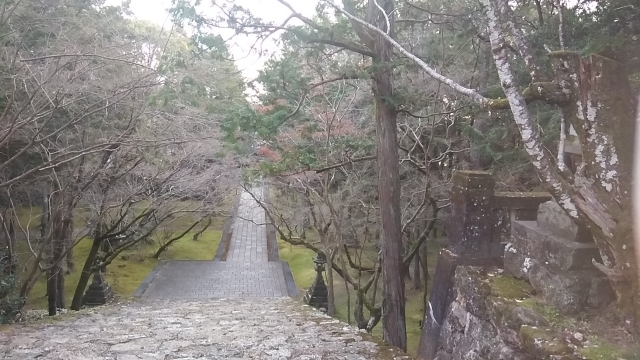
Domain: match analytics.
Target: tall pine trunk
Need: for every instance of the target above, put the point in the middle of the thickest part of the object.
(393, 304)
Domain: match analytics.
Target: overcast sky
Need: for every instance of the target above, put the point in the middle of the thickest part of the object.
(270, 10)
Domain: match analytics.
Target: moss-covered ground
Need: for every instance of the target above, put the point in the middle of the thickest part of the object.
(131, 267)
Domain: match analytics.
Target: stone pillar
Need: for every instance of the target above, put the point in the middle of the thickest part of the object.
(470, 229)
(471, 221)
(99, 292)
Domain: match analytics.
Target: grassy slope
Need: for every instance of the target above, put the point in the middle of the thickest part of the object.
(130, 268)
(300, 260)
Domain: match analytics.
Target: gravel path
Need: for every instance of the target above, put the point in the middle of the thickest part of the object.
(213, 329)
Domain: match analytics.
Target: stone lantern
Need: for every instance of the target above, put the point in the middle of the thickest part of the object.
(317, 295)
(99, 292)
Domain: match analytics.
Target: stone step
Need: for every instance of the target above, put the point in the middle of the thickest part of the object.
(536, 242)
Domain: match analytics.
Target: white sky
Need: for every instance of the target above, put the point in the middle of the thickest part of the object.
(269, 10)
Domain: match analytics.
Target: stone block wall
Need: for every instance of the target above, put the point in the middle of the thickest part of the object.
(557, 258)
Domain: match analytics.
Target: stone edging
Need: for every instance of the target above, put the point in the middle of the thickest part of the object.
(272, 242)
(227, 231)
(292, 289)
(272, 247)
(144, 285)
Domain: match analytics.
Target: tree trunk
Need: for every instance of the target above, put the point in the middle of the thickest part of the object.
(602, 113)
(174, 239)
(51, 292)
(348, 291)
(197, 235)
(358, 311)
(46, 211)
(60, 223)
(9, 233)
(393, 304)
(69, 242)
(417, 280)
(331, 301)
(381, 15)
(76, 303)
(425, 272)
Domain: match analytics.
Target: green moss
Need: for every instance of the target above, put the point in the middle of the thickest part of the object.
(300, 260)
(543, 341)
(555, 318)
(509, 287)
(187, 249)
(124, 275)
(131, 267)
(601, 350)
(29, 217)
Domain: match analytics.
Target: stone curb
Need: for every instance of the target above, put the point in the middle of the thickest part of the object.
(227, 231)
(272, 246)
(292, 289)
(144, 285)
(272, 242)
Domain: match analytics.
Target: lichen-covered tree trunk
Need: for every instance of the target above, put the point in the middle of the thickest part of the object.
(601, 109)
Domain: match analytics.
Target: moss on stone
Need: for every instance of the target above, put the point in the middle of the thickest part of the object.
(543, 341)
(555, 318)
(602, 350)
(508, 287)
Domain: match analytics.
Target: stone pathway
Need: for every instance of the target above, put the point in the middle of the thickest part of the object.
(181, 315)
(213, 329)
(246, 273)
(249, 239)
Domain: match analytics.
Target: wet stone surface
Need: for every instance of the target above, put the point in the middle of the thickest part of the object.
(214, 329)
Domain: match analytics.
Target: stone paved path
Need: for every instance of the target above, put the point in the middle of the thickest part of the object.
(249, 240)
(246, 273)
(255, 320)
(213, 329)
